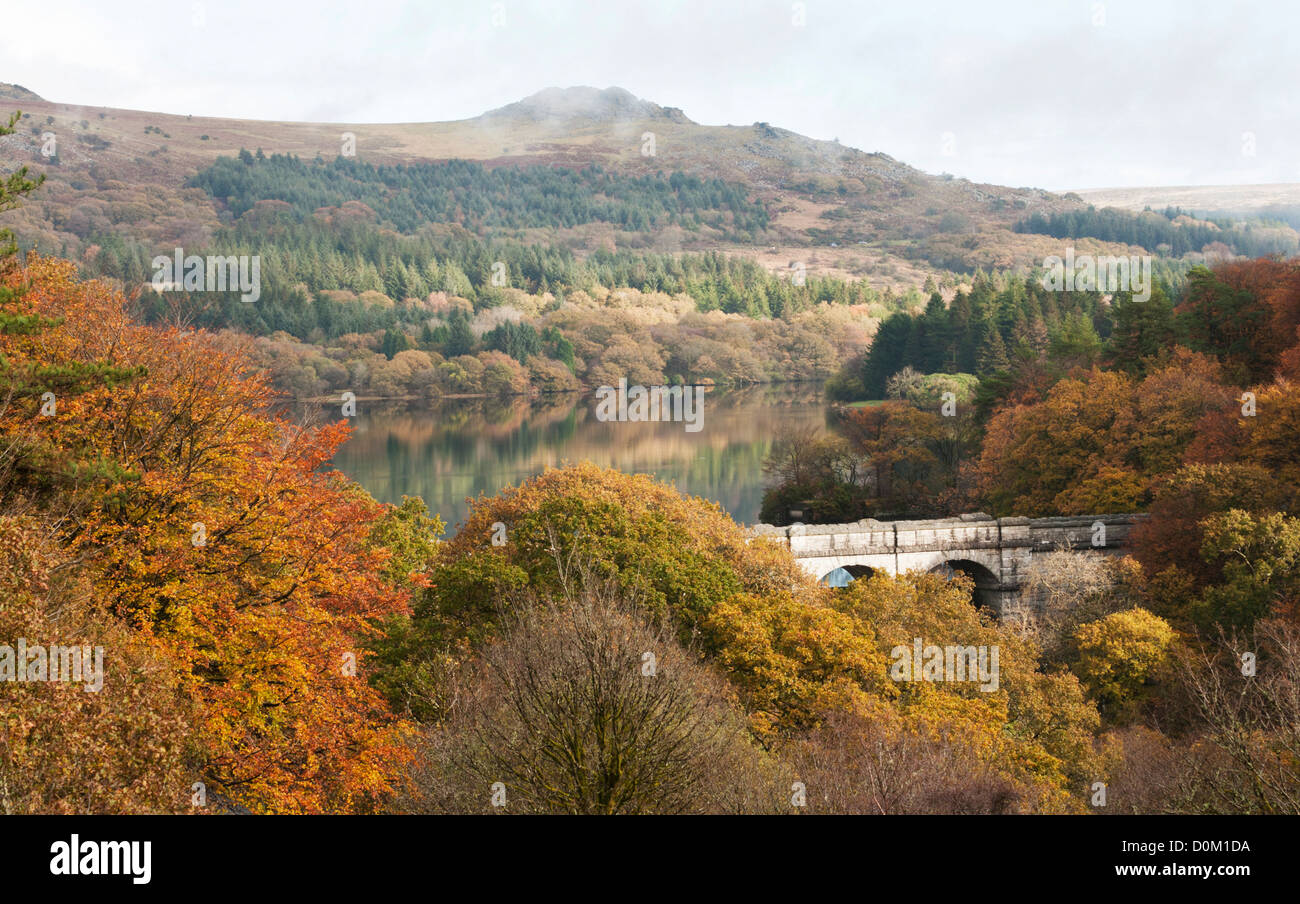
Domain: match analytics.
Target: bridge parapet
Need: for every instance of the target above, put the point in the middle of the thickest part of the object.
(864, 537)
(977, 531)
(870, 537)
(996, 552)
(1097, 531)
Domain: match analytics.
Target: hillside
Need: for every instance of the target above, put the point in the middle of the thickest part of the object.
(1211, 198)
(132, 177)
(838, 210)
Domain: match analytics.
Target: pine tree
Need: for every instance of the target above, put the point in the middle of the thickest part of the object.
(993, 354)
(962, 320)
(1076, 343)
(1141, 329)
(394, 341)
(460, 337)
(886, 355)
(937, 337)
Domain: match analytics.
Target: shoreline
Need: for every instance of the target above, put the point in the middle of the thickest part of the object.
(460, 396)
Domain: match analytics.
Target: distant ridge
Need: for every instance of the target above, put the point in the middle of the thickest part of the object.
(1210, 198)
(586, 103)
(831, 208)
(10, 91)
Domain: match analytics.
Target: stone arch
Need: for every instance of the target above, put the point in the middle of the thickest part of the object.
(846, 574)
(988, 587)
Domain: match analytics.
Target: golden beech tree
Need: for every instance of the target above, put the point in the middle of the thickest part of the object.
(1035, 727)
(1272, 435)
(795, 661)
(1171, 406)
(1102, 441)
(1037, 455)
(116, 740)
(1119, 655)
(208, 527)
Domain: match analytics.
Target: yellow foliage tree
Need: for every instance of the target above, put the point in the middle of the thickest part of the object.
(1034, 727)
(1120, 654)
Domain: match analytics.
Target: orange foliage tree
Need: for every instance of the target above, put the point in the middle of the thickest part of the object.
(207, 526)
(1101, 441)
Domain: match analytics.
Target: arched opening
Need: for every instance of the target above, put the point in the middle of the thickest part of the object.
(842, 577)
(988, 589)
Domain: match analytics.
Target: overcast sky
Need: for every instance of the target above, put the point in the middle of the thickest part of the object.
(1056, 94)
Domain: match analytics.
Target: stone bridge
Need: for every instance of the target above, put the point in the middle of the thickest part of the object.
(995, 552)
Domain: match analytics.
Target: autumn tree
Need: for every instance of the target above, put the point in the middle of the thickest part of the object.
(794, 660)
(1119, 656)
(1035, 728)
(1102, 441)
(1069, 587)
(1224, 316)
(1064, 455)
(1172, 404)
(857, 765)
(1251, 763)
(1260, 558)
(895, 439)
(586, 706)
(116, 739)
(815, 473)
(1270, 437)
(1171, 537)
(208, 527)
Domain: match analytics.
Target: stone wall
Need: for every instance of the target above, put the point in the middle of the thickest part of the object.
(997, 552)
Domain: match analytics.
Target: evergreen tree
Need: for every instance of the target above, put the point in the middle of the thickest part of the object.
(886, 355)
(1076, 343)
(936, 338)
(1141, 329)
(993, 354)
(518, 340)
(394, 341)
(961, 321)
(460, 337)
(559, 348)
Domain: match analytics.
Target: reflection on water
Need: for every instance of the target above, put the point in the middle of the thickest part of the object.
(462, 447)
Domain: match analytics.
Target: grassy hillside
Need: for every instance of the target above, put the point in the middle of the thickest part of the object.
(1198, 197)
(822, 208)
(837, 210)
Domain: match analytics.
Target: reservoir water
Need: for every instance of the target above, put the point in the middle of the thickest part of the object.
(462, 447)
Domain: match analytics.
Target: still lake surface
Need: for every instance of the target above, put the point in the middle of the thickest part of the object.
(462, 447)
